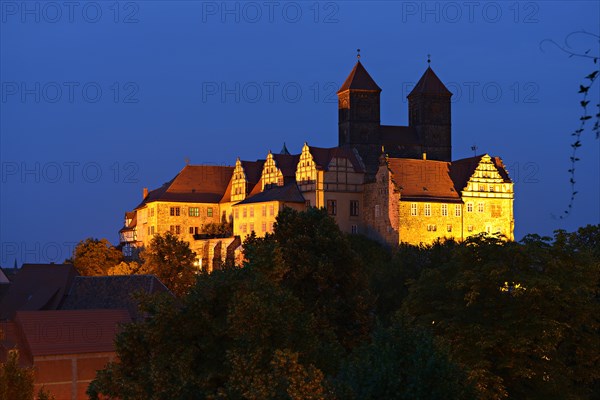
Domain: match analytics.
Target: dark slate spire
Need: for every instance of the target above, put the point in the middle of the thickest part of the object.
(359, 79)
(284, 150)
(430, 84)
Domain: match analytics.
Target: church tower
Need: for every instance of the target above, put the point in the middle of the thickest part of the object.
(429, 115)
(358, 106)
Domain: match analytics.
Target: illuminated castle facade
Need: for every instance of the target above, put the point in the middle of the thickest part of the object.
(392, 183)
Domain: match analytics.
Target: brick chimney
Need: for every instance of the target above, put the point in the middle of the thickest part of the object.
(145, 193)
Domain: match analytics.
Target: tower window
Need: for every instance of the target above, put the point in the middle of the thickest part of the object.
(413, 209)
(469, 207)
(444, 210)
(480, 207)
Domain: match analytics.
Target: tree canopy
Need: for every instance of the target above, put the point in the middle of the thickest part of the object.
(95, 257)
(317, 314)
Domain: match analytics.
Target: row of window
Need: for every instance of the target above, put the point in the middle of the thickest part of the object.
(249, 228)
(433, 228)
(192, 211)
(332, 207)
(250, 210)
(414, 209)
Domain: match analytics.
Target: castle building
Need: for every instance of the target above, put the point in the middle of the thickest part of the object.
(392, 183)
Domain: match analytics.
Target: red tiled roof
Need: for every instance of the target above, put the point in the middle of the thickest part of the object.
(70, 331)
(323, 156)
(287, 164)
(111, 292)
(423, 179)
(37, 287)
(359, 79)
(430, 84)
(227, 195)
(194, 184)
(288, 193)
(253, 170)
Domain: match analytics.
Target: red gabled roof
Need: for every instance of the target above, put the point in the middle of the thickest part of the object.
(288, 193)
(430, 84)
(70, 331)
(359, 79)
(37, 287)
(287, 164)
(423, 179)
(194, 184)
(253, 170)
(323, 156)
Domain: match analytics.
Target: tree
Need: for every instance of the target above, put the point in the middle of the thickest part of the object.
(172, 261)
(309, 255)
(93, 257)
(522, 318)
(404, 363)
(16, 383)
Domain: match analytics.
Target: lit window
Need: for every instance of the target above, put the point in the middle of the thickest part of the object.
(264, 226)
(413, 209)
(427, 210)
(469, 207)
(193, 211)
(457, 210)
(251, 211)
(177, 229)
(264, 210)
(331, 207)
(480, 207)
(354, 208)
(237, 213)
(209, 212)
(481, 188)
(251, 227)
(444, 210)
(152, 230)
(244, 212)
(271, 210)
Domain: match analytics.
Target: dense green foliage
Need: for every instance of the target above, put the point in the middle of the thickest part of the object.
(16, 382)
(172, 261)
(95, 257)
(317, 314)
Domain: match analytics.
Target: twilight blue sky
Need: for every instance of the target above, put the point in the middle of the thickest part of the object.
(100, 99)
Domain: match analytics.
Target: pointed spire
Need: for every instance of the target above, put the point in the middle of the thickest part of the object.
(284, 150)
(430, 84)
(359, 78)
